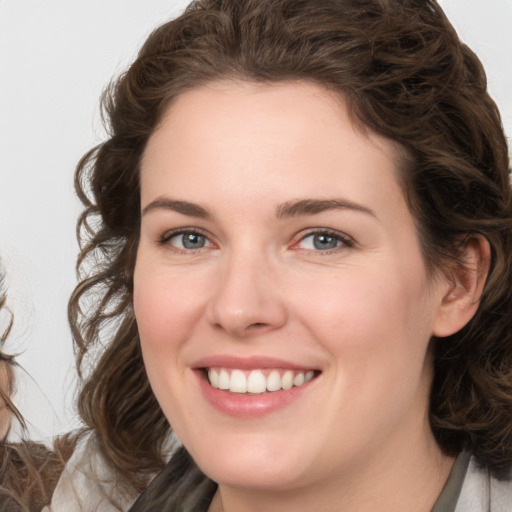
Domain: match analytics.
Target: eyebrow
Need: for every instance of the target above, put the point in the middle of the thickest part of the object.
(315, 206)
(183, 207)
(288, 209)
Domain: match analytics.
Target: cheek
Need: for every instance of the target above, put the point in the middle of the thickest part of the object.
(369, 316)
(166, 316)
(167, 306)
(375, 330)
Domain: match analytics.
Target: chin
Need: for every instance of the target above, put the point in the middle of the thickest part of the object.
(267, 476)
(257, 465)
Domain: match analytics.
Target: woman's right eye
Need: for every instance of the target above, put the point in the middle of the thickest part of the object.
(187, 240)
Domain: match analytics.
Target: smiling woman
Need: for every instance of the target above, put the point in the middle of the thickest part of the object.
(332, 295)
(301, 228)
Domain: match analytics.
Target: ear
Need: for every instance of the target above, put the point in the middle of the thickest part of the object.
(464, 286)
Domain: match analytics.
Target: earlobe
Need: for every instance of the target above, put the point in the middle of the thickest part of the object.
(464, 286)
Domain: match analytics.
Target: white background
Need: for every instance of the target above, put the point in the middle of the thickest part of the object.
(55, 58)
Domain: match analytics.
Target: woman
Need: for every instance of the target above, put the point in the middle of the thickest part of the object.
(301, 229)
(28, 471)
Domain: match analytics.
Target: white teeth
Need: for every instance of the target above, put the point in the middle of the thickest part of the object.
(287, 382)
(274, 381)
(223, 379)
(256, 383)
(214, 378)
(299, 379)
(239, 381)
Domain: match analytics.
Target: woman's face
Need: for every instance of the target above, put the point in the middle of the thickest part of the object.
(277, 253)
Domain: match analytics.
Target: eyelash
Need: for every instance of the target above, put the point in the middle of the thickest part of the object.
(346, 241)
(168, 235)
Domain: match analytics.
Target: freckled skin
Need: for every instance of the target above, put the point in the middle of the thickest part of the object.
(257, 285)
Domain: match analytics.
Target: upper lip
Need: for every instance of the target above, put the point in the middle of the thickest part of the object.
(247, 363)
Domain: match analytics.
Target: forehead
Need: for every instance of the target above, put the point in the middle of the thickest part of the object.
(241, 146)
(233, 99)
(251, 122)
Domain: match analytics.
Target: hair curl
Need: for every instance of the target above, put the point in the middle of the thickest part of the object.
(404, 74)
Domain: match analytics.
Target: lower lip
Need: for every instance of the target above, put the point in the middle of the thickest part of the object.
(245, 405)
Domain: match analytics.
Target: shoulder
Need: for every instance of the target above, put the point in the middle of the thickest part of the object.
(481, 492)
(87, 483)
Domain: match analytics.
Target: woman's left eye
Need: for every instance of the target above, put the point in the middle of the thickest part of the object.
(188, 240)
(323, 241)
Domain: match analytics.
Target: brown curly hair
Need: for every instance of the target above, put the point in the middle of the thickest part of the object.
(405, 74)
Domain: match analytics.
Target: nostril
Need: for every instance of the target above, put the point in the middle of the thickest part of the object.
(257, 325)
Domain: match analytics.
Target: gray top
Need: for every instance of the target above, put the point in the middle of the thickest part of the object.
(470, 488)
(481, 492)
(449, 496)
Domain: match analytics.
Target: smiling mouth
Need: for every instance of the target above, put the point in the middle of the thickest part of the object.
(257, 381)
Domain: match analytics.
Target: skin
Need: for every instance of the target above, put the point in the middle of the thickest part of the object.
(361, 313)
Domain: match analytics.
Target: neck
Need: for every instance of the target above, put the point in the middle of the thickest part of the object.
(401, 478)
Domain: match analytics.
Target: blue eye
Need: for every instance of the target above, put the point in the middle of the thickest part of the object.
(323, 242)
(189, 240)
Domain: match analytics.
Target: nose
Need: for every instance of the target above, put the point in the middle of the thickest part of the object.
(247, 300)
